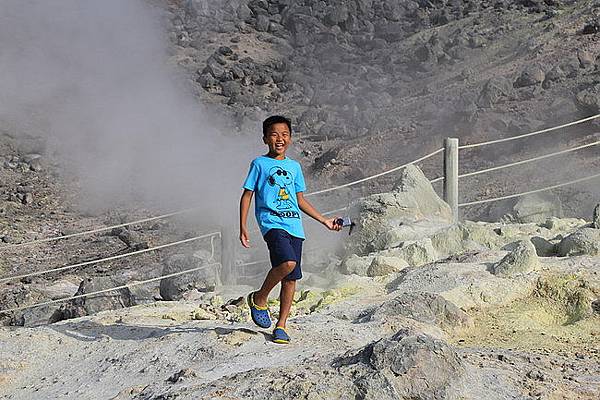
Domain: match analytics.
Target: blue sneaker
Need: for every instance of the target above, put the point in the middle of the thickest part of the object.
(260, 315)
(280, 336)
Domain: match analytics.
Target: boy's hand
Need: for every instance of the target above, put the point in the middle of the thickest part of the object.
(331, 225)
(244, 238)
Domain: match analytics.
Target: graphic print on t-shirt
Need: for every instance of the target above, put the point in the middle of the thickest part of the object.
(279, 178)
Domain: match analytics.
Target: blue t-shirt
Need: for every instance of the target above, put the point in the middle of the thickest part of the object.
(275, 184)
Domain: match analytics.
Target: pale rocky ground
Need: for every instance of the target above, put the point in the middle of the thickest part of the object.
(466, 311)
(412, 307)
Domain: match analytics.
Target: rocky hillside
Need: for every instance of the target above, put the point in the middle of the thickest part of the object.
(372, 84)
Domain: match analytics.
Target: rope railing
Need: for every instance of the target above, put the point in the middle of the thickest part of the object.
(554, 128)
(91, 262)
(103, 229)
(112, 289)
(530, 191)
(528, 160)
(97, 230)
(368, 178)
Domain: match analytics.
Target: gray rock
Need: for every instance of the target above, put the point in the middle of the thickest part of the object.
(417, 253)
(596, 217)
(132, 239)
(585, 58)
(589, 98)
(412, 199)
(382, 266)
(93, 304)
(203, 280)
(231, 89)
(531, 76)
(522, 259)
(425, 307)
(406, 366)
(537, 208)
(262, 23)
(356, 265)
(496, 90)
(584, 241)
(543, 247)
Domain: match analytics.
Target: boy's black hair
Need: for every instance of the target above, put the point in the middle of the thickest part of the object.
(276, 119)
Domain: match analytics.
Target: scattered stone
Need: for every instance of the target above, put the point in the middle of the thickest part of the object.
(425, 307)
(184, 373)
(531, 76)
(591, 28)
(355, 264)
(596, 217)
(586, 58)
(496, 90)
(203, 280)
(537, 208)
(112, 300)
(132, 239)
(584, 241)
(406, 366)
(412, 199)
(543, 247)
(522, 259)
(201, 314)
(589, 98)
(382, 266)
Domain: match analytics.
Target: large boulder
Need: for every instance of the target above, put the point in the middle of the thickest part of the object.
(589, 99)
(95, 303)
(385, 220)
(496, 90)
(584, 241)
(531, 75)
(523, 258)
(405, 366)
(425, 307)
(382, 266)
(203, 280)
(535, 208)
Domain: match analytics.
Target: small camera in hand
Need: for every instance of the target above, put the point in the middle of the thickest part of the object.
(344, 222)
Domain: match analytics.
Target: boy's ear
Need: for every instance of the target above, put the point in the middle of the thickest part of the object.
(265, 140)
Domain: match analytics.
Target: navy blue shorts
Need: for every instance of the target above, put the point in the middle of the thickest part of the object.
(285, 247)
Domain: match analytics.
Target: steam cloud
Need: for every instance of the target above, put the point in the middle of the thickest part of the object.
(93, 79)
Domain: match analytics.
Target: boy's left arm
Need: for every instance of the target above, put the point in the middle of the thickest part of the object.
(308, 209)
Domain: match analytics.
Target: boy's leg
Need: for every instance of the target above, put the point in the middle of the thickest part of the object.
(286, 297)
(274, 276)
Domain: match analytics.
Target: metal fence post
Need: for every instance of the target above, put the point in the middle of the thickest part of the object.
(451, 175)
(227, 248)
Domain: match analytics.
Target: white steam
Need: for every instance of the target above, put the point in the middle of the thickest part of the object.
(93, 79)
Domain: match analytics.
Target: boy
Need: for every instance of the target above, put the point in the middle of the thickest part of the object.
(279, 186)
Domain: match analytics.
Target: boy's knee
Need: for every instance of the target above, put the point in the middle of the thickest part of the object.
(288, 266)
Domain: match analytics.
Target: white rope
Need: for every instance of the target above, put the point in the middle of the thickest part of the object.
(252, 263)
(529, 192)
(187, 271)
(441, 178)
(374, 176)
(108, 258)
(469, 146)
(529, 160)
(12, 246)
(107, 228)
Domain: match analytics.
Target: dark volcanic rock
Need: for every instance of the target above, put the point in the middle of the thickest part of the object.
(425, 307)
(405, 366)
(204, 279)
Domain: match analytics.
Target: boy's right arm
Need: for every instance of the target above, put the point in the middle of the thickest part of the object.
(244, 207)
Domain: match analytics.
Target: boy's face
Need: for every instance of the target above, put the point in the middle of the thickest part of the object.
(278, 139)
